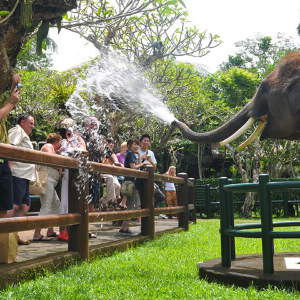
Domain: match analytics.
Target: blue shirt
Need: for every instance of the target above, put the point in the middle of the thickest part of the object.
(131, 158)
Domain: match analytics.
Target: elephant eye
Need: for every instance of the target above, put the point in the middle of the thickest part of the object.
(263, 89)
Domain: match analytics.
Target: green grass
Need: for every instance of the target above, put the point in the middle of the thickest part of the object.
(165, 268)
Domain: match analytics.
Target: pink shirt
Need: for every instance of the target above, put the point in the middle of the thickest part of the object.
(121, 157)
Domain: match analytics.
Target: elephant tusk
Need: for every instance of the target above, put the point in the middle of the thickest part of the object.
(239, 132)
(253, 135)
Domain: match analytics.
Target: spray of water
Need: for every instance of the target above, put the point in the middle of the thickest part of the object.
(122, 85)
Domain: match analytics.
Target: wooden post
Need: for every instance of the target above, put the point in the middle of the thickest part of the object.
(208, 201)
(231, 221)
(147, 201)
(192, 199)
(266, 225)
(182, 200)
(224, 224)
(78, 203)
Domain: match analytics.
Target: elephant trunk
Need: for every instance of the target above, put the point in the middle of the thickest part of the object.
(219, 134)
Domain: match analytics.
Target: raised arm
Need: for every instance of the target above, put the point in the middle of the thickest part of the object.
(14, 98)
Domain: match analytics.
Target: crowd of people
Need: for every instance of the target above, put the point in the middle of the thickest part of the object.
(16, 176)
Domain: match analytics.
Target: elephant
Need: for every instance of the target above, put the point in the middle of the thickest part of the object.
(275, 105)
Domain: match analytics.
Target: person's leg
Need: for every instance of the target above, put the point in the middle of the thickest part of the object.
(10, 213)
(138, 206)
(169, 202)
(123, 202)
(26, 202)
(125, 225)
(46, 200)
(130, 206)
(19, 191)
(36, 234)
(6, 188)
(94, 188)
(22, 211)
(54, 208)
(174, 199)
(63, 208)
(110, 189)
(22, 202)
(117, 187)
(45, 208)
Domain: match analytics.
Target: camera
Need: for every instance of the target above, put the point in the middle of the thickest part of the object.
(19, 86)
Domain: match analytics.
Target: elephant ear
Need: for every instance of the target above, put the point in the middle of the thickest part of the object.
(294, 96)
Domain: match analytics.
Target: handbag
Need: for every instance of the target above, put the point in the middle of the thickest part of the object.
(127, 188)
(8, 247)
(107, 161)
(38, 187)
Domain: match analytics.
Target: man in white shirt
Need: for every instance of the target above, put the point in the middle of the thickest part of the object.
(22, 172)
(147, 154)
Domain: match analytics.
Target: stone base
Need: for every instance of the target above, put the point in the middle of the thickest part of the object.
(247, 270)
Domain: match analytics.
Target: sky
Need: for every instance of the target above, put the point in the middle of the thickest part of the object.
(232, 20)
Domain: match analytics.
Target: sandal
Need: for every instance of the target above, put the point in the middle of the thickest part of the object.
(22, 242)
(92, 235)
(54, 234)
(42, 238)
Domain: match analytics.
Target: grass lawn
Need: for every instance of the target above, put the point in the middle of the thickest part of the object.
(165, 268)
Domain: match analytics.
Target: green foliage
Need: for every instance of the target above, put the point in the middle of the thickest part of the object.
(4, 13)
(278, 208)
(42, 33)
(43, 96)
(280, 158)
(238, 86)
(234, 61)
(28, 59)
(263, 53)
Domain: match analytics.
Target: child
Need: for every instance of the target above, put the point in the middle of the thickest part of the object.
(134, 163)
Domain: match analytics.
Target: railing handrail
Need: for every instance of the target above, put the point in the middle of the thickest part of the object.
(38, 157)
(78, 207)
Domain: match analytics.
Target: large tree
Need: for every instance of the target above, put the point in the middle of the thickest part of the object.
(153, 40)
(261, 54)
(20, 15)
(21, 19)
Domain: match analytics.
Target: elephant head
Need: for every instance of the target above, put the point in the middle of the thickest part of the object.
(275, 105)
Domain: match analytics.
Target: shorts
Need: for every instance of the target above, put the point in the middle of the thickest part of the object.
(21, 191)
(6, 187)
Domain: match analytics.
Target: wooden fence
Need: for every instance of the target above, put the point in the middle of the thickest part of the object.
(78, 218)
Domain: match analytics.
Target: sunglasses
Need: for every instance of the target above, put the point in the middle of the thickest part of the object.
(69, 134)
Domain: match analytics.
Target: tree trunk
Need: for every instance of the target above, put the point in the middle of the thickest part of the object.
(248, 203)
(200, 169)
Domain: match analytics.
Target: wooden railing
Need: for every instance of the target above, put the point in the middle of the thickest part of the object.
(78, 218)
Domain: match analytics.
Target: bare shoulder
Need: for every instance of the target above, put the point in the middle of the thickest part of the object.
(48, 148)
